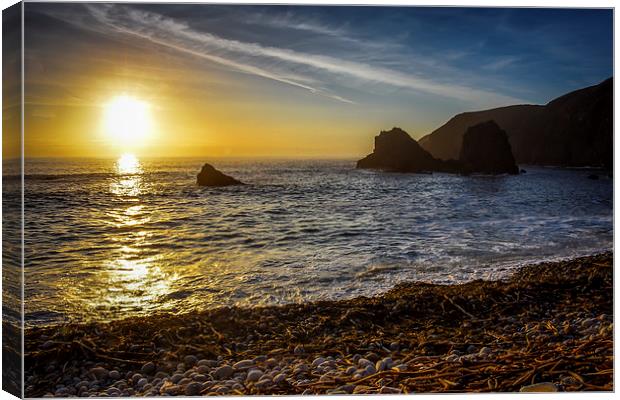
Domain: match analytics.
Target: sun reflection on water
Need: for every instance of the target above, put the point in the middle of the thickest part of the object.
(128, 279)
(128, 164)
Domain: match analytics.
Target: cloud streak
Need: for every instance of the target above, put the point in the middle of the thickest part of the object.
(308, 71)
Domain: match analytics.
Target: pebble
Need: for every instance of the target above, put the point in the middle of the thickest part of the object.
(208, 363)
(363, 362)
(298, 350)
(254, 375)
(190, 360)
(400, 367)
(318, 361)
(243, 364)
(148, 368)
(193, 389)
(114, 375)
(99, 373)
(176, 378)
(485, 351)
(279, 378)
(223, 372)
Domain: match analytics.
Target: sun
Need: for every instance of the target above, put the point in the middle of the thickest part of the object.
(127, 121)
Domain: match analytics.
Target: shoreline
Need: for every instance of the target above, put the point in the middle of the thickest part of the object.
(548, 323)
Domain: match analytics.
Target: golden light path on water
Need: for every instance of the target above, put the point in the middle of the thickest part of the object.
(129, 279)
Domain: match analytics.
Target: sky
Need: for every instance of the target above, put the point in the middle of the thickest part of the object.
(290, 81)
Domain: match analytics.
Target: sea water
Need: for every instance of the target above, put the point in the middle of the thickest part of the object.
(110, 239)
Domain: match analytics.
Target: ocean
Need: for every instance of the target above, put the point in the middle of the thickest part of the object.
(110, 239)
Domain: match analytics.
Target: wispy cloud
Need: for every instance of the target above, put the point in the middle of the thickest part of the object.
(289, 21)
(308, 71)
(501, 63)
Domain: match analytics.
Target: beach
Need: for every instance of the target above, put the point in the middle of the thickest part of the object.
(547, 327)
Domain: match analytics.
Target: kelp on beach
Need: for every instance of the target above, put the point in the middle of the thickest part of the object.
(550, 323)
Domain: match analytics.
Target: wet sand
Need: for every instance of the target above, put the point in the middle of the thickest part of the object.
(547, 327)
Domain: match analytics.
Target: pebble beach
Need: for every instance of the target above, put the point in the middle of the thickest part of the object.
(548, 327)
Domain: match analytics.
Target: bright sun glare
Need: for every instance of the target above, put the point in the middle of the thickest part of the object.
(127, 121)
(128, 164)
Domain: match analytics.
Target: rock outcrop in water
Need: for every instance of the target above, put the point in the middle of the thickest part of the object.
(209, 176)
(396, 151)
(573, 130)
(485, 149)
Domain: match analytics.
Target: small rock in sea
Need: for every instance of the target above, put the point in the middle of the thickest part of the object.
(258, 359)
(193, 389)
(394, 346)
(472, 349)
(254, 375)
(271, 362)
(199, 378)
(351, 370)
(148, 368)
(243, 364)
(98, 373)
(142, 382)
(370, 369)
(373, 357)
(114, 375)
(540, 387)
(176, 378)
(298, 350)
(223, 372)
(190, 360)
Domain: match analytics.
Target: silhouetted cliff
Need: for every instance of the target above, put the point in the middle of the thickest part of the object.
(486, 150)
(573, 130)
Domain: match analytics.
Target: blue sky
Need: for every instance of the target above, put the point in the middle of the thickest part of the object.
(407, 66)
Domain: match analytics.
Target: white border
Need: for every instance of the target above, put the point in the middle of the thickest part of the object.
(455, 3)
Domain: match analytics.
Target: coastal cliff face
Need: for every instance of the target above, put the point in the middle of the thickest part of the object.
(573, 130)
(486, 149)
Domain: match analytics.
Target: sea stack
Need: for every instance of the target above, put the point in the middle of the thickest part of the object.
(396, 151)
(486, 149)
(209, 176)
